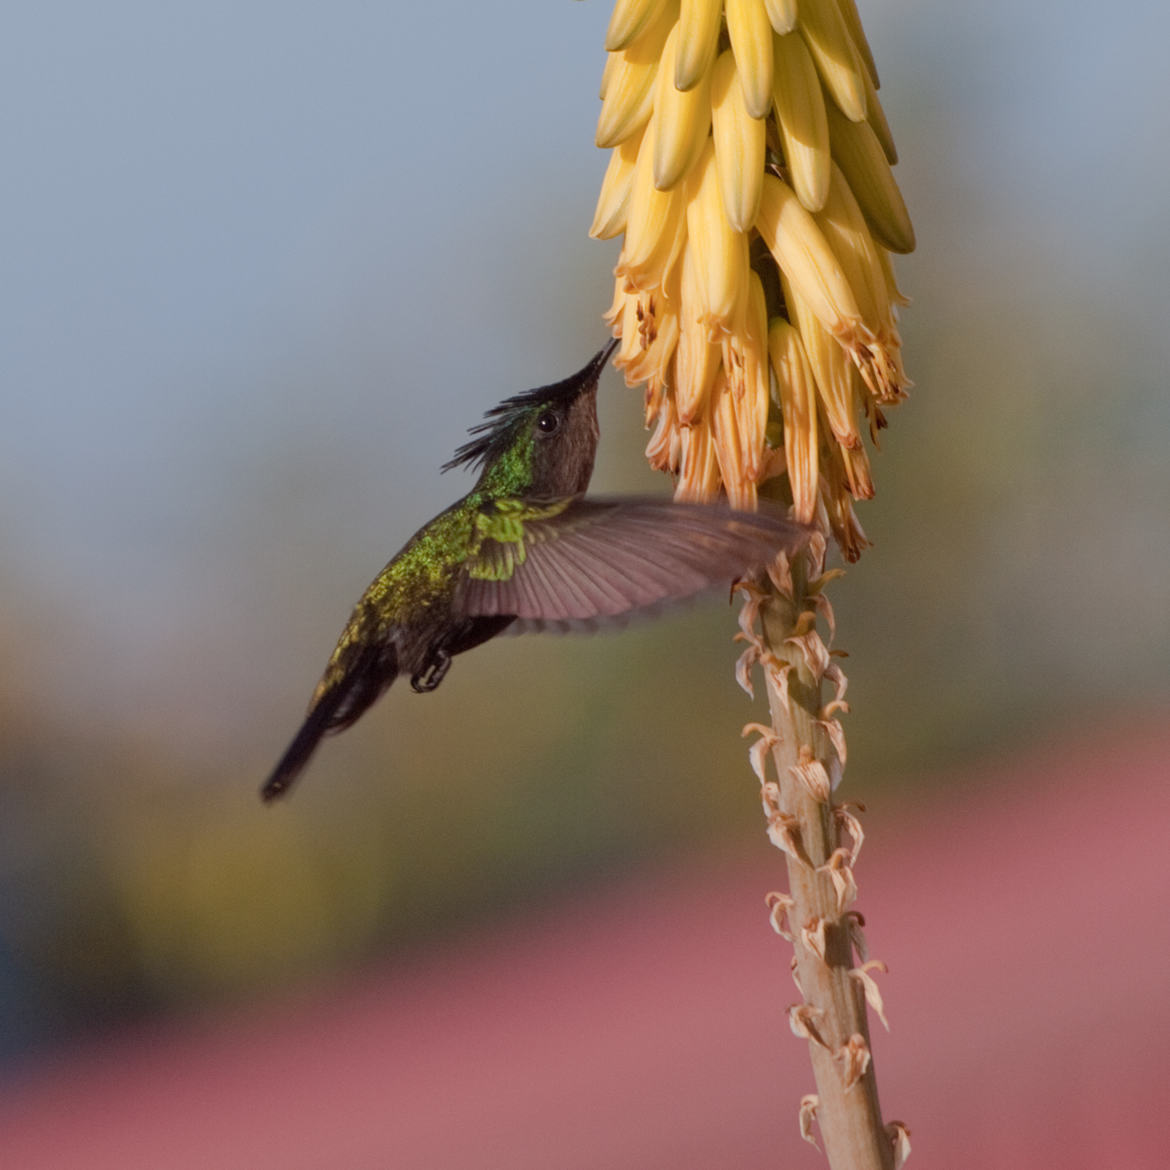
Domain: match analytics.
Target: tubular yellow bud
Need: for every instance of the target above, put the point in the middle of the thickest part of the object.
(699, 23)
(796, 390)
(612, 60)
(683, 119)
(739, 145)
(897, 296)
(655, 226)
(737, 480)
(857, 472)
(844, 226)
(800, 113)
(876, 117)
(836, 377)
(698, 464)
(852, 20)
(657, 324)
(859, 154)
(625, 311)
(720, 253)
(696, 356)
(655, 397)
(613, 314)
(782, 14)
(628, 100)
(839, 507)
(836, 57)
(628, 80)
(629, 18)
(750, 33)
(613, 201)
(745, 364)
(664, 450)
(807, 261)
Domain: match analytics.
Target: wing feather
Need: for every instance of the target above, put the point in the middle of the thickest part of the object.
(602, 559)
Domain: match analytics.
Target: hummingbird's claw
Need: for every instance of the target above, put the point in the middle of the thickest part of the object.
(433, 673)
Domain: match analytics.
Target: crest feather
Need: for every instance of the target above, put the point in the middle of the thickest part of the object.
(494, 435)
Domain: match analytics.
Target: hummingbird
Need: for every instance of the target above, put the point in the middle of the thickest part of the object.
(526, 549)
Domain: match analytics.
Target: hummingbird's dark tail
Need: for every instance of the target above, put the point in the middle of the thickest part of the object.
(335, 710)
(304, 744)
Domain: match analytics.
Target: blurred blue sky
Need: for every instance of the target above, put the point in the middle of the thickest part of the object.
(264, 262)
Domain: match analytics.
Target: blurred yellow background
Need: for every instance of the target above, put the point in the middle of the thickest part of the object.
(265, 264)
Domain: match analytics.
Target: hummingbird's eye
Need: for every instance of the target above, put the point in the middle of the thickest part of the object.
(549, 422)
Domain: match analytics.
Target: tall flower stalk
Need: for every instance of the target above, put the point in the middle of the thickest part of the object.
(750, 180)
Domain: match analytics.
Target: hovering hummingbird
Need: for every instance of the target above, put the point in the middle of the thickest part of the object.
(524, 549)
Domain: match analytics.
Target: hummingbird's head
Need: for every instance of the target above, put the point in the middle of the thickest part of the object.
(540, 443)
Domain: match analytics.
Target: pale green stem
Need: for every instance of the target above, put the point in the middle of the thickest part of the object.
(848, 1115)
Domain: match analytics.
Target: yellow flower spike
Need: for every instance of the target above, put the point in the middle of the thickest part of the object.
(628, 89)
(739, 145)
(699, 24)
(750, 33)
(852, 20)
(796, 390)
(808, 263)
(719, 252)
(689, 309)
(696, 357)
(835, 55)
(698, 465)
(683, 119)
(836, 376)
(859, 154)
(733, 470)
(800, 114)
(629, 18)
(656, 225)
(876, 117)
(613, 201)
(782, 14)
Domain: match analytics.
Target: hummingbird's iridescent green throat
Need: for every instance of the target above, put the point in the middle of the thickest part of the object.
(524, 549)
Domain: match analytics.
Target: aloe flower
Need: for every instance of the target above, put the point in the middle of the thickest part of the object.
(750, 175)
(750, 179)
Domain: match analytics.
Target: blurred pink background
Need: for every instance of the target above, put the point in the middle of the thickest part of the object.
(1020, 910)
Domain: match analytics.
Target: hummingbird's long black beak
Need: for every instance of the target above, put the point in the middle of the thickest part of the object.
(594, 368)
(574, 384)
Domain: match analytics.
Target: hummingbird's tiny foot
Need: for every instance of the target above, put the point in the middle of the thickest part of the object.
(433, 674)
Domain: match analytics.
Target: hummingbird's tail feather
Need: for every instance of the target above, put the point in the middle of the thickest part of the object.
(338, 707)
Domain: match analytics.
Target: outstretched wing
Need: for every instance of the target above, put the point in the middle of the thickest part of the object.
(576, 560)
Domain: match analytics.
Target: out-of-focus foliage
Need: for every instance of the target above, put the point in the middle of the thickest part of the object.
(242, 355)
